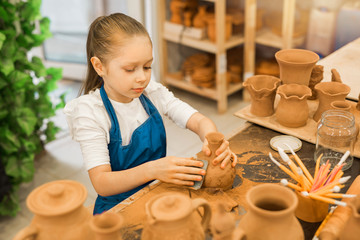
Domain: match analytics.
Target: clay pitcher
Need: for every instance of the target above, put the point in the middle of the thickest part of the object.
(59, 212)
(328, 92)
(262, 89)
(106, 226)
(174, 216)
(217, 177)
(270, 214)
(293, 110)
(296, 65)
(351, 230)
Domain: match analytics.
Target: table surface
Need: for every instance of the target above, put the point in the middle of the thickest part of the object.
(346, 61)
(252, 147)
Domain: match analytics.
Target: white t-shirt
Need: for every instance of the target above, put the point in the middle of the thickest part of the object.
(89, 122)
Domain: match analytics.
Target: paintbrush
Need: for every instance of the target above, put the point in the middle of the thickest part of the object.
(317, 233)
(282, 167)
(286, 183)
(323, 199)
(288, 161)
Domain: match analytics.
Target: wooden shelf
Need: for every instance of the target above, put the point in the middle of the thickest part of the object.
(177, 80)
(268, 38)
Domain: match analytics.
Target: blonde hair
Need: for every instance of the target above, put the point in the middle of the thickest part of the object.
(105, 35)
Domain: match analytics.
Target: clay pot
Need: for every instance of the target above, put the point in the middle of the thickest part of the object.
(216, 177)
(310, 210)
(262, 89)
(106, 226)
(328, 92)
(200, 18)
(174, 215)
(293, 110)
(59, 212)
(351, 230)
(296, 65)
(340, 105)
(176, 8)
(270, 214)
(211, 27)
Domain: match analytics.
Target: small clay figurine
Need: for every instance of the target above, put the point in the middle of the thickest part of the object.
(317, 75)
(335, 76)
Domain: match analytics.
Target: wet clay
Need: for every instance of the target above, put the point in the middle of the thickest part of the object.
(216, 177)
(173, 215)
(327, 93)
(317, 74)
(262, 89)
(293, 110)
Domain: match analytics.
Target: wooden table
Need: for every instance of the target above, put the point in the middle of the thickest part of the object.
(251, 144)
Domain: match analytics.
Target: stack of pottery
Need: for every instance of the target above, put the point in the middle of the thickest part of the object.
(216, 177)
(267, 67)
(235, 71)
(270, 214)
(262, 89)
(195, 61)
(203, 77)
(211, 27)
(173, 215)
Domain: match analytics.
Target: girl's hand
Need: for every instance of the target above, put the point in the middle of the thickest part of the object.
(180, 171)
(223, 154)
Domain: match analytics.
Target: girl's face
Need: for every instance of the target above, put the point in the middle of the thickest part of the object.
(128, 73)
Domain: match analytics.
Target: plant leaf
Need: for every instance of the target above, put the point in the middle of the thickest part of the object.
(2, 37)
(19, 79)
(9, 205)
(6, 66)
(26, 120)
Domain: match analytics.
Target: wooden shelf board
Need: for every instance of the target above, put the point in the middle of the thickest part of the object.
(176, 80)
(268, 38)
(206, 44)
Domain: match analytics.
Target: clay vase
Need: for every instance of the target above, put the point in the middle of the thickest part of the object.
(59, 212)
(328, 92)
(173, 215)
(296, 65)
(216, 177)
(262, 89)
(293, 110)
(106, 226)
(199, 20)
(351, 230)
(270, 214)
(310, 210)
(176, 8)
(211, 27)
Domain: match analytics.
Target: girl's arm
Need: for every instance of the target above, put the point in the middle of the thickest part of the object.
(202, 125)
(180, 171)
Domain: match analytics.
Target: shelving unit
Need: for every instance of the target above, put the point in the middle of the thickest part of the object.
(265, 36)
(221, 90)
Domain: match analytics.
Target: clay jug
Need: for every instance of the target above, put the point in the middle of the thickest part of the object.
(351, 230)
(200, 18)
(310, 210)
(106, 226)
(216, 177)
(296, 65)
(174, 216)
(262, 89)
(293, 110)
(59, 212)
(270, 214)
(328, 92)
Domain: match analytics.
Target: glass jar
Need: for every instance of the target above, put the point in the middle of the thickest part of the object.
(336, 134)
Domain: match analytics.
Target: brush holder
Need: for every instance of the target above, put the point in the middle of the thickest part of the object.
(310, 210)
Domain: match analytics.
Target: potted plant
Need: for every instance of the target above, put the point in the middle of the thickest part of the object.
(25, 104)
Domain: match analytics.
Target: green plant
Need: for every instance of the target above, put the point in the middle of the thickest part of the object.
(25, 104)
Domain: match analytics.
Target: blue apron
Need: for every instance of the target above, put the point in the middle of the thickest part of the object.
(148, 142)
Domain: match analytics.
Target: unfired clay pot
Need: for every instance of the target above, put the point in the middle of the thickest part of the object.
(200, 18)
(340, 105)
(351, 230)
(328, 92)
(106, 226)
(270, 214)
(310, 210)
(217, 177)
(296, 65)
(293, 110)
(174, 215)
(59, 212)
(211, 27)
(262, 89)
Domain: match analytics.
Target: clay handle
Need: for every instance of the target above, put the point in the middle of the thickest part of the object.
(238, 234)
(200, 202)
(30, 232)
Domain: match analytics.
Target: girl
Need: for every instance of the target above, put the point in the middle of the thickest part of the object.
(118, 122)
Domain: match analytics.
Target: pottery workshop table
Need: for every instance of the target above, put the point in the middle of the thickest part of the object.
(251, 144)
